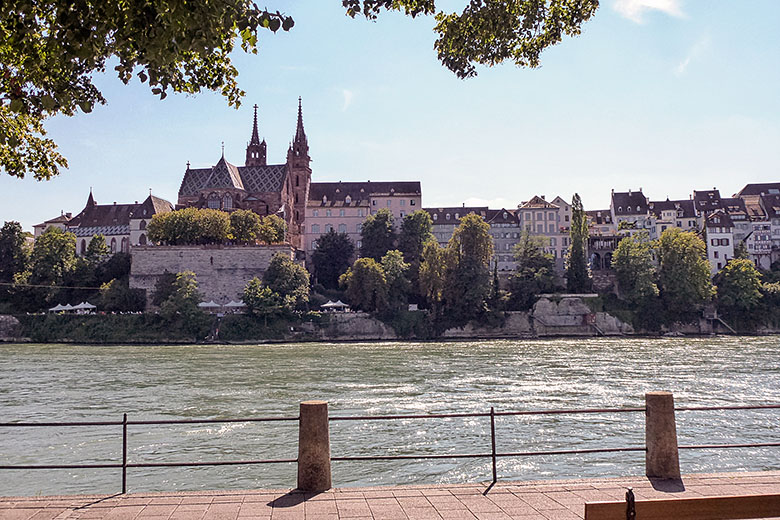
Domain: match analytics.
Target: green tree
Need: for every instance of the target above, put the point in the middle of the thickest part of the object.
(53, 256)
(189, 226)
(97, 250)
(213, 226)
(273, 230)
(635, 269)
(433, 274)
(415, 232)
(377, 235)
(488, 32)
(396, 276)
(366, 285)
(51, 49)
(14, 253)
(468, 271)
(163, 288)
(332, 258)
(739, 289)
(245, 226)
(684, 272)
(577, 276)
(116, 296)
(740, 250)
(183, 300)
(289, 280)
(262, 301)
(534, 273)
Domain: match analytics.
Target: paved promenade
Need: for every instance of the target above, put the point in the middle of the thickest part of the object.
(559, 500)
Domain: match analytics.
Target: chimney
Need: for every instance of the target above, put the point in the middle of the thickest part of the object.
(640, 189)
(114, 203)
(464, 204)
(136, 202)
(543, 197)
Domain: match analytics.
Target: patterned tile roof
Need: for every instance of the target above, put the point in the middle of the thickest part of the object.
(252, 179)
(100, 230)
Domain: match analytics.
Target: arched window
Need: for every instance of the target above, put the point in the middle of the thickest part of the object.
(227, 201)
(213, 202)
(124, 245)
(142, 240)
(113, 245)
(142, 225)
(83, 246)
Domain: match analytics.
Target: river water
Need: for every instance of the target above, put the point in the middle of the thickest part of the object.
(71, 382)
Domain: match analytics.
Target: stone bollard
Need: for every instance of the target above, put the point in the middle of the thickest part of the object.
(314, 447)
(661, 459)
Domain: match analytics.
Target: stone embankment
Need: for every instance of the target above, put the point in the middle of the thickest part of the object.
(10, 329)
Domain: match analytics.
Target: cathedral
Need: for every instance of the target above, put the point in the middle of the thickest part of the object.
(266, 189)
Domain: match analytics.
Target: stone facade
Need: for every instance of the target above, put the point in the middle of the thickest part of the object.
(222, 271)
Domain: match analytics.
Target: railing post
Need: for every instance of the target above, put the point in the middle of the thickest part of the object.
(314, 447)
(124, 454)
(661, 458)
(493, 441)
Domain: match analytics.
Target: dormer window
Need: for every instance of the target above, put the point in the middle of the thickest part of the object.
(448, 216)
(505, 214)
(348, 199)
(620, 208)
(324, 199)
(457, 215)
(435, 216)
(637, 209)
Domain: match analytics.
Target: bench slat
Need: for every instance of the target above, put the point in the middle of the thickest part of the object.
(698, 508)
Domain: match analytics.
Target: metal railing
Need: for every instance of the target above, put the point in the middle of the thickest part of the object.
(493, 454)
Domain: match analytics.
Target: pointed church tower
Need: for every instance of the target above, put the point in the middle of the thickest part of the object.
(255, 150)
(299, 170)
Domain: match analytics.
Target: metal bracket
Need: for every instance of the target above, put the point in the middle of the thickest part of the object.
(630, 505)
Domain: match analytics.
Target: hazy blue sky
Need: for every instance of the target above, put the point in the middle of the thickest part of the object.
(667, 95)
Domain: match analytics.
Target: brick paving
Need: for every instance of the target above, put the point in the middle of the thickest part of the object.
(542, 500)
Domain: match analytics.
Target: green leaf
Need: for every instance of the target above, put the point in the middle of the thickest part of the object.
(16, 105)
(86, 107)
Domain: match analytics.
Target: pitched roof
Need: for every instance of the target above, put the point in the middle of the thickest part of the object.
(440, 215)
(629, 203)
(707, 200)
(683, 207)
(152, 206)
(769, 188)
(252, 179)
(719, 218)
(60, 219)
(95, 215)
(336, 193)
(538, 202)
(771, 204)
(501, 216)
(753, 207)
(599, 217)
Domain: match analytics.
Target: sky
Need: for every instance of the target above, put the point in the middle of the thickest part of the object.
(664, 95)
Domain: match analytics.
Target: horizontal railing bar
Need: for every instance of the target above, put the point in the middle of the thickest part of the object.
(484, 455)
(718, 446)
(208, 463)
(573, 411)
(413, 416)
(570, 452)
(85, 423)
(736, 407)
(210, 421)
(63, 466)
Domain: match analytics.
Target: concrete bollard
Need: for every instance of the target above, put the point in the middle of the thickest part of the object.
(661, 459)
(314, 447)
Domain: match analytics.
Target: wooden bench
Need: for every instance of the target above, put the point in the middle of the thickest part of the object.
(698, 508)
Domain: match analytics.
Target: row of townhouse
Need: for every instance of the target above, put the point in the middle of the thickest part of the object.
(751, 216)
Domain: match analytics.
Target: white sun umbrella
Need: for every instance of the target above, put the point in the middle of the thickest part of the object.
(87, 305)
(328, 305)
(67, 307)
(340, 303)
(209, 305)
(233, 304)
(57, 308)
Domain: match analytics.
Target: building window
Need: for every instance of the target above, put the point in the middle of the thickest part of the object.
(227, 201)
(550, 216)
(315, 213)
(213, 202)
(342, 228)
(402, 203)
(389, 203)
(540, 228)
(142, 225)
(402, 214)
(435, 216)
(125, 249)
(83, 246)
(142, 240)
(373, 203)
(412, 202)
(341, 213)
(358, 228)
(348, 199)
(448, 216)
(328, 228)
(113, 246)
(715, 254)
(328, 213)
(360, 212)
(359, 244)
(315, 228)
(297, 180)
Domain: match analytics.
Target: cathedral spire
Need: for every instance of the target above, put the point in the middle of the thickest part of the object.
(300, 134)
(255, 137)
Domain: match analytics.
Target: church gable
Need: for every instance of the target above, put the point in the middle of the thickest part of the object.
(224, 175)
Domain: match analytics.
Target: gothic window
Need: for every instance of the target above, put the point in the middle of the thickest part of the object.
(142, 240)
(213, 201)
(342, 228)
(83, 246)
(315, 228)
(142, 225)
(124, 245)
(113, 245)
(227, 201)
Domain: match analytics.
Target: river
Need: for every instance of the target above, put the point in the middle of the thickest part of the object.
(72, 382)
